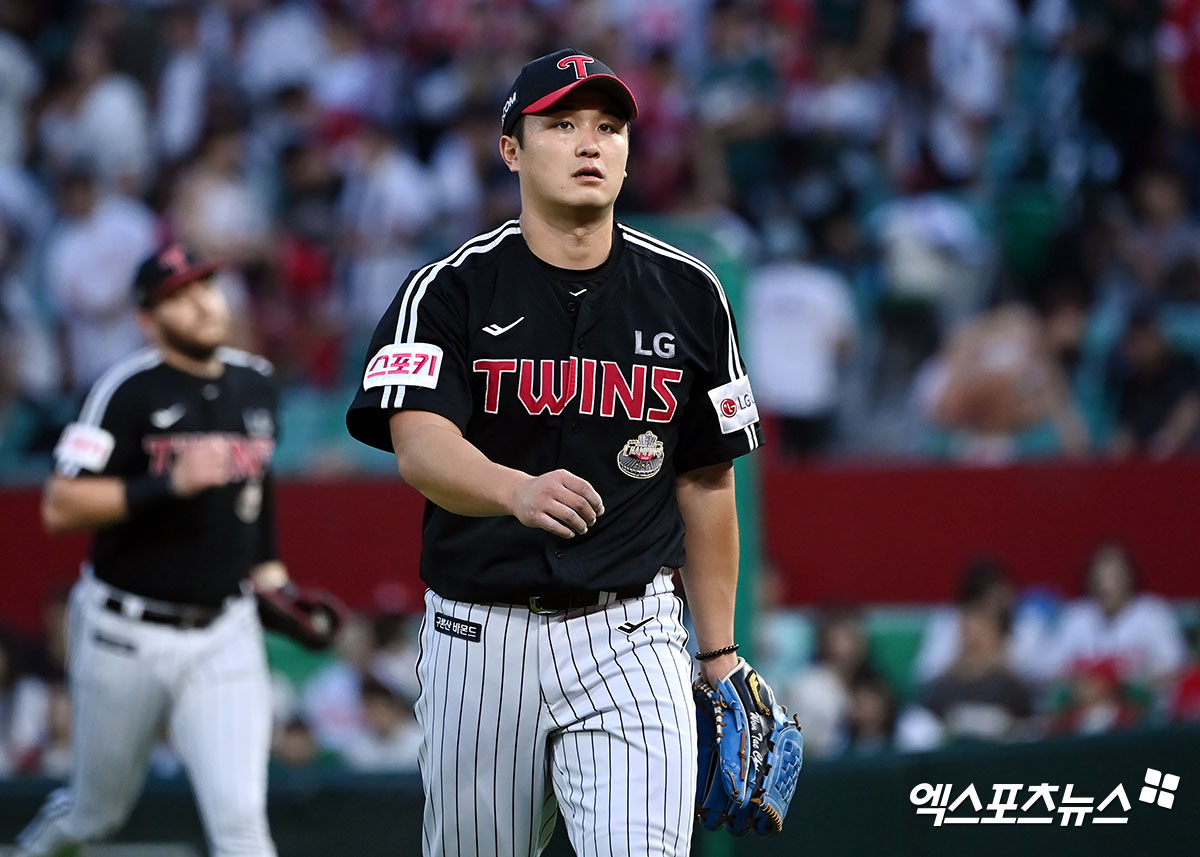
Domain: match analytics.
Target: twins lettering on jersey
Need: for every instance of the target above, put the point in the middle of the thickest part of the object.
(248, 456)
(600, 385)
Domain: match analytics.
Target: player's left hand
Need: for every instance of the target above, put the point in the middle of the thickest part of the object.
(750, 754)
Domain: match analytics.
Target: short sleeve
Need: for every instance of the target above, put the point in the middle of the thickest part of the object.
(721, 420)
(416, 360)
(100, 441)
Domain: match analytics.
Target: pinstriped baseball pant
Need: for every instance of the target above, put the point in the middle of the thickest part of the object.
(587, 711)
(128, 679)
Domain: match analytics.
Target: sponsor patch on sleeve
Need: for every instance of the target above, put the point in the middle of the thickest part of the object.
(84, 446)
(734, 404)
(404, 364)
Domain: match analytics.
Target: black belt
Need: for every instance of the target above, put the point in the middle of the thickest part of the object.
(182, 616)
(566, 599)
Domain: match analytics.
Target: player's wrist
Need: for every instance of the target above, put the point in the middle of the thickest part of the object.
(147, 491)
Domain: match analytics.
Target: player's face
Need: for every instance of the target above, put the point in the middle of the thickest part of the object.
(573, 158)
(194, 320)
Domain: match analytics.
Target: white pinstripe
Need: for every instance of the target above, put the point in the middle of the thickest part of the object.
(736, 367)
(558, 710)
(210, 687)
(419, 284)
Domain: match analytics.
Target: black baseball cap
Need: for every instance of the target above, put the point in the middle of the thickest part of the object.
(170, 268)
(543, 82)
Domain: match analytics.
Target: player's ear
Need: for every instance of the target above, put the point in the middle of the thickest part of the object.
(510, 151)
(146, 322)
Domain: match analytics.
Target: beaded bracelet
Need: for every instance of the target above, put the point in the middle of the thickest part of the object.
(716, 653)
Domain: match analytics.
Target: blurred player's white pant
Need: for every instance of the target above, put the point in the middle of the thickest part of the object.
(590, 710)
(128, 679)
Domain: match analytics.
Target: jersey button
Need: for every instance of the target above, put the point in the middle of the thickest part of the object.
(580, 342)
(572, 306)
(558, 553)
(576, 428)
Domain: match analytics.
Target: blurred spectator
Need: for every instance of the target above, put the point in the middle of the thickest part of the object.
(871, 719)
(387, 202)
(351, 81)
(331, 701)
(985, 583)
(1156, 389)
(294, 747)
(968, 46)
(1140, 632)
(100, 117)
(20, 80)
(980, 697)
(90, 262)
(219, 211)
(1096, 702)
(1115, 42)
(281, 45)
(183, 85)
(1162, 233)
(737, 96)
(822, 694)
(390, 738)
(397, 647)
(800, 325)
(996, 380)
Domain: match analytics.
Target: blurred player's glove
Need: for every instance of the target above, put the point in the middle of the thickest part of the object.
(750, 754)
(311, 617)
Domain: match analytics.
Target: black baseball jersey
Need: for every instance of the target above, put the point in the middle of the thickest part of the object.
(626, 375)
(135, 420)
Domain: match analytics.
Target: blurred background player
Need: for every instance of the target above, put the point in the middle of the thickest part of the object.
(168, 465)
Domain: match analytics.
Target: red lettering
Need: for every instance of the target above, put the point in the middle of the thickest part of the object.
(494, 369)
(546, 398)
(660, 377)
(587, 396)
(158, 447)
(613, 385)
(376, 369)
(400, 363)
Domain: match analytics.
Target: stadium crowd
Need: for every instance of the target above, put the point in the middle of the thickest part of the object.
(969, 229)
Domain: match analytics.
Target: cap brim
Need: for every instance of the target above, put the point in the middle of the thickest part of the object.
(612, 85)
(178, 280)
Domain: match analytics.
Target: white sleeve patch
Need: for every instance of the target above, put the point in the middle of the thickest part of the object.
(86, 447)
(734, 404)
(404, 364)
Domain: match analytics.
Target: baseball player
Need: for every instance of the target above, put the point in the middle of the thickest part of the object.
(167, 464)
(568, 394)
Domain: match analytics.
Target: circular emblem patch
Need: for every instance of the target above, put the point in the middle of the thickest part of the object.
(728, 407)
(641, 457)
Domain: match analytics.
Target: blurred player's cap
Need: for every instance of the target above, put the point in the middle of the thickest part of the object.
(543, 82)
(170, 268)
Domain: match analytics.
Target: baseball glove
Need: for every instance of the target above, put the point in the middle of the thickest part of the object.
(311, 617)
(750, 754)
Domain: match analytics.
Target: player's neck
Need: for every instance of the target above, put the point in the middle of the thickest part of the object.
(574, 246)
(212, 367)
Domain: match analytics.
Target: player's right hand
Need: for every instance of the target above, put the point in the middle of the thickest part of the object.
(558, 502)
(201, 465)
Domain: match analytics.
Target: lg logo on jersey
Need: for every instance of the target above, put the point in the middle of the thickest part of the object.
(664, 345)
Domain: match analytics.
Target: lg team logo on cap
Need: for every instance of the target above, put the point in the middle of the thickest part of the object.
(579, 61)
